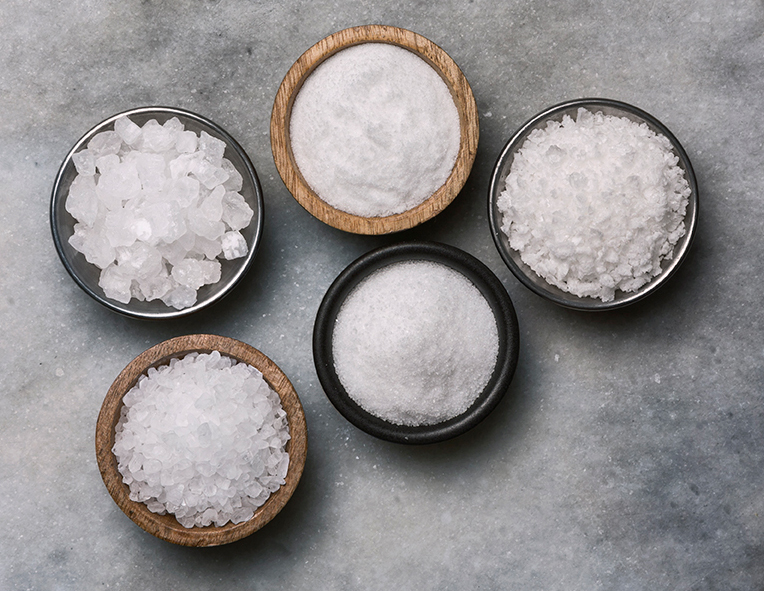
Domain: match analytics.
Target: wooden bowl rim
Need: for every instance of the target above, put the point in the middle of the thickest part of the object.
(166, 527)
(460, 90)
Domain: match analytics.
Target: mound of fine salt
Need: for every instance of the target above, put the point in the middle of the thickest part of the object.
(415, 343)
(593, 205)
(147, 199)
(202, 438)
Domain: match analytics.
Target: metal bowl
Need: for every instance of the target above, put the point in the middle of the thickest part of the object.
(512, 258)
(485, 281)
(86, 275)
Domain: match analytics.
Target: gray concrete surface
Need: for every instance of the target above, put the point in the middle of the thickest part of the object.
(628, 452)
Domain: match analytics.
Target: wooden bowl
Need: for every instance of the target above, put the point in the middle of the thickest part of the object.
(166, 526)
(281, 117)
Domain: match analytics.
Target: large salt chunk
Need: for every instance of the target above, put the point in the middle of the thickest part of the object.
(84, 162)
(235, 181)
(115, 285)
(186, 142)
(82, 201)
(234, 245)
(104, 143)
(93, 244)
(127, 130)
(212, 148)
(236, 211)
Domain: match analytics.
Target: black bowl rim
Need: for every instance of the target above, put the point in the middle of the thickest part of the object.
(569, 300)
(124, 309)
(488, 284)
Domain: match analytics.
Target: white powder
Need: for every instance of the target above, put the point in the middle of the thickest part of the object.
(415, 343)
(374, 130)
(594, 205)
(203, 438)
(155, 208)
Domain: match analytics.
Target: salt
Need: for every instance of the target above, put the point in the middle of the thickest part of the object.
(594, 205)
(202, 438)
(415, 343)
(166, 189)
(374, 130)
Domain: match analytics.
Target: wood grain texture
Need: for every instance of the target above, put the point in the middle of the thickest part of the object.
(309, 61)
(167, 527)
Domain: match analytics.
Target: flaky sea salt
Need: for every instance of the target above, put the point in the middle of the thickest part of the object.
(374, 130)
(415, 343)
(147, 199)
(202, 438)
(593, 205)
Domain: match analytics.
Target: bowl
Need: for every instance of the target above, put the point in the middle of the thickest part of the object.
(166, 527)
(512, 257)
(488, 285)
(282, 112)
(86, 275)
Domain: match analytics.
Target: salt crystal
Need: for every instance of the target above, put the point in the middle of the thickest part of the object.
(212, 148)
(104, 143)
(127, 130)
(82, 202)
(235, 211)
(234, 245)
(84, 162)
(187, 142)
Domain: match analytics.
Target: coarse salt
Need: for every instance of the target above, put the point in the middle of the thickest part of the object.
(594, 205)
(374, 130)
(415, 343)
(147, 199)
(202, 438)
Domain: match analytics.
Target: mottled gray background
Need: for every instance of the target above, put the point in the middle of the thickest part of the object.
(628, 452)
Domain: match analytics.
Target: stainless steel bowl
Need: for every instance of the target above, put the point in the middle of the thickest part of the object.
(512, 258)
(86, 275)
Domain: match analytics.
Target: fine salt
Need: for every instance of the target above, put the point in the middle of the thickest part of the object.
(156, 207)
(415, 343)
(202, 438)
(374, 130)
(593, 205)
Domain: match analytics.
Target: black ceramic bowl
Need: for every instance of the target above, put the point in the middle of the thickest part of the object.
(86, 275)
(512, 258)
(485, 281)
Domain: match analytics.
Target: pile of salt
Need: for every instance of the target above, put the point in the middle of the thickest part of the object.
(374, 130)
(415, 343)
(155, 208)
(202, 438)
(593, 205)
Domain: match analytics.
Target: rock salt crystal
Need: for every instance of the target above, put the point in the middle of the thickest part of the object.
(415, 343)
(202, 438)
(594, 205)
(147, 199)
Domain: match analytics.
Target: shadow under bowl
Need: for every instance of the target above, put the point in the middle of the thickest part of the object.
(87, 275)
(488, 285)
(166, 527)
(512, 257)
(281, 116)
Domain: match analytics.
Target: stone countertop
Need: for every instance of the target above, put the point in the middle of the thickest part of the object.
(627, 453)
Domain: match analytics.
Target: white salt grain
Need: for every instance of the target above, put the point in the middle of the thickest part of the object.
(594, 205)
(202, 438)
(168, 190)
(415, 343)
(374, 130)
